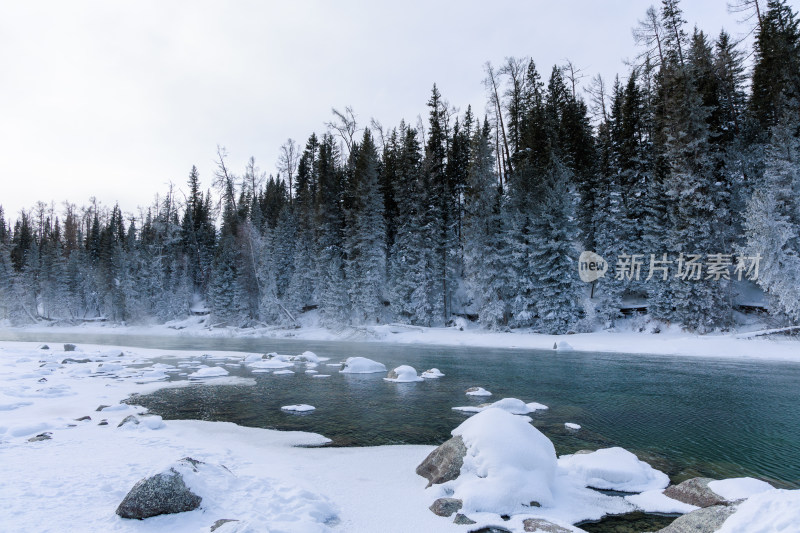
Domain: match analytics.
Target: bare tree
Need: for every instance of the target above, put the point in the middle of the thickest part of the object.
(649, 33)
(573, 74)
(597, 98)
(346, 125)
(750, 8)
(287, 162)
(253, 177)
(491, 83)
(377, 127)
(224, 181)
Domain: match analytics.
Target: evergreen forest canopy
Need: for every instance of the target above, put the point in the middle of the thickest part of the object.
(691, 154)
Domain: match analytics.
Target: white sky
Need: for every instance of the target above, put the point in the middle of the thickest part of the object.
(115, 99)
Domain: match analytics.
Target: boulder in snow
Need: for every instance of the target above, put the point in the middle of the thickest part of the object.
(478, 391)
(445, 506)
(362, 365)
(69, 347)
(444, 463)
(695, 492)
(707, 520)
(542, 526)
(403, 374)
(433, 373)
(163, 493)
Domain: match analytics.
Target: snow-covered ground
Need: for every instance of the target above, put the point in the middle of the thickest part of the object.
(744, 343)
(70, 453)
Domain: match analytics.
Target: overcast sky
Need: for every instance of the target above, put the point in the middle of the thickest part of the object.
(115, 99)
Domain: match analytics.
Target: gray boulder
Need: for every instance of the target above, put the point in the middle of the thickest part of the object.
(695, 492)
(707, 520)
(130, 419)
(69, 347)
(163, 493)
(446, 506)
(537, 524)
(463, 520)
(444, 463)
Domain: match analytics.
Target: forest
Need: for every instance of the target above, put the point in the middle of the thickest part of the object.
(688, 167)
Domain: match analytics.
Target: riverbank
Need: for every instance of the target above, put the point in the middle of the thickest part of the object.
(749, 342)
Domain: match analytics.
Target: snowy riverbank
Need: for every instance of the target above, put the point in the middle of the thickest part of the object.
(68, 462)
(747, 342)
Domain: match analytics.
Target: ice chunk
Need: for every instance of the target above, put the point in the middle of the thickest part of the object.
(298, 408)
(572, 425)
(511, 405)
(283, 372)
(433, 373)
(209, 372)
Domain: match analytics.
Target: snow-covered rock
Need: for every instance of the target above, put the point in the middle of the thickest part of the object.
(477, 391)
(403, 374)
(614, 469)
(362, 365)
(508, 464)
(433, 373)
(775, 510)
(739, 488)
(298, 408)
(310, 357)
(163, 493)
(511, 405)
(654, 501)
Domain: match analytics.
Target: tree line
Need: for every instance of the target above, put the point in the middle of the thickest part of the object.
(691, 154)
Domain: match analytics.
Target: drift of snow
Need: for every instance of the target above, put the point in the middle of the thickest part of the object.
(298, 408)
(209, 372)
(433, 373)
(654, 501)
(509, 463)
(478, 391)
(362, 365)
(739, 488)
(772, 511)
(405, 374)
(511, 405)
(613, 469)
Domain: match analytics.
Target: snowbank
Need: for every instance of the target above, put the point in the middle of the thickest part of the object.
(362, 365)
(614, 469)
(739, 488)
(772, 511)
(403, 374)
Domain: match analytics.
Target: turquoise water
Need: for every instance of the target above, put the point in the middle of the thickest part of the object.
(686, 416)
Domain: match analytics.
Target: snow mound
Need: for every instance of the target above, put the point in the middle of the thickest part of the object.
(509, 464)
(270, 363)
(572, 425)
(310, 357)
(253, 357)
(478, 391)
(282, 372)
(739, 488)
(776, 510)
(614, 469)
(362, 365)
(563, 345)
(433, 373)
(510, 405)
(209, 372)
(298, 408)
(403, 374)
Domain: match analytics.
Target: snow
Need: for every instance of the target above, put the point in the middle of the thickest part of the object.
(773, 511)
(362, 365)
(654, 501)
(572, 425)
(614, 469)
(282, 372)
(433, 373)
(298, 408)
(509, 463)
(209, 372)
(478, 391)
(739, 488)
(511, 405)
(405, 374)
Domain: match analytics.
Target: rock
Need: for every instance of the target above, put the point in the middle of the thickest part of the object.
(101, 407)
(705, 520)
(71, 360)
(130, 419)
(537, 524)
(163, 493)
(392, 374)
(220, 522)
(446, 506)
(42, 380)
(41, 436)
(44, 347)
(103, 422)
(444, 463)
(81, 419)
(491, 529)
(463, 520)
(695, 492)
(69, 347)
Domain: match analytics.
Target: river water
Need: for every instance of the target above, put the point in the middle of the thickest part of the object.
(687, 416)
